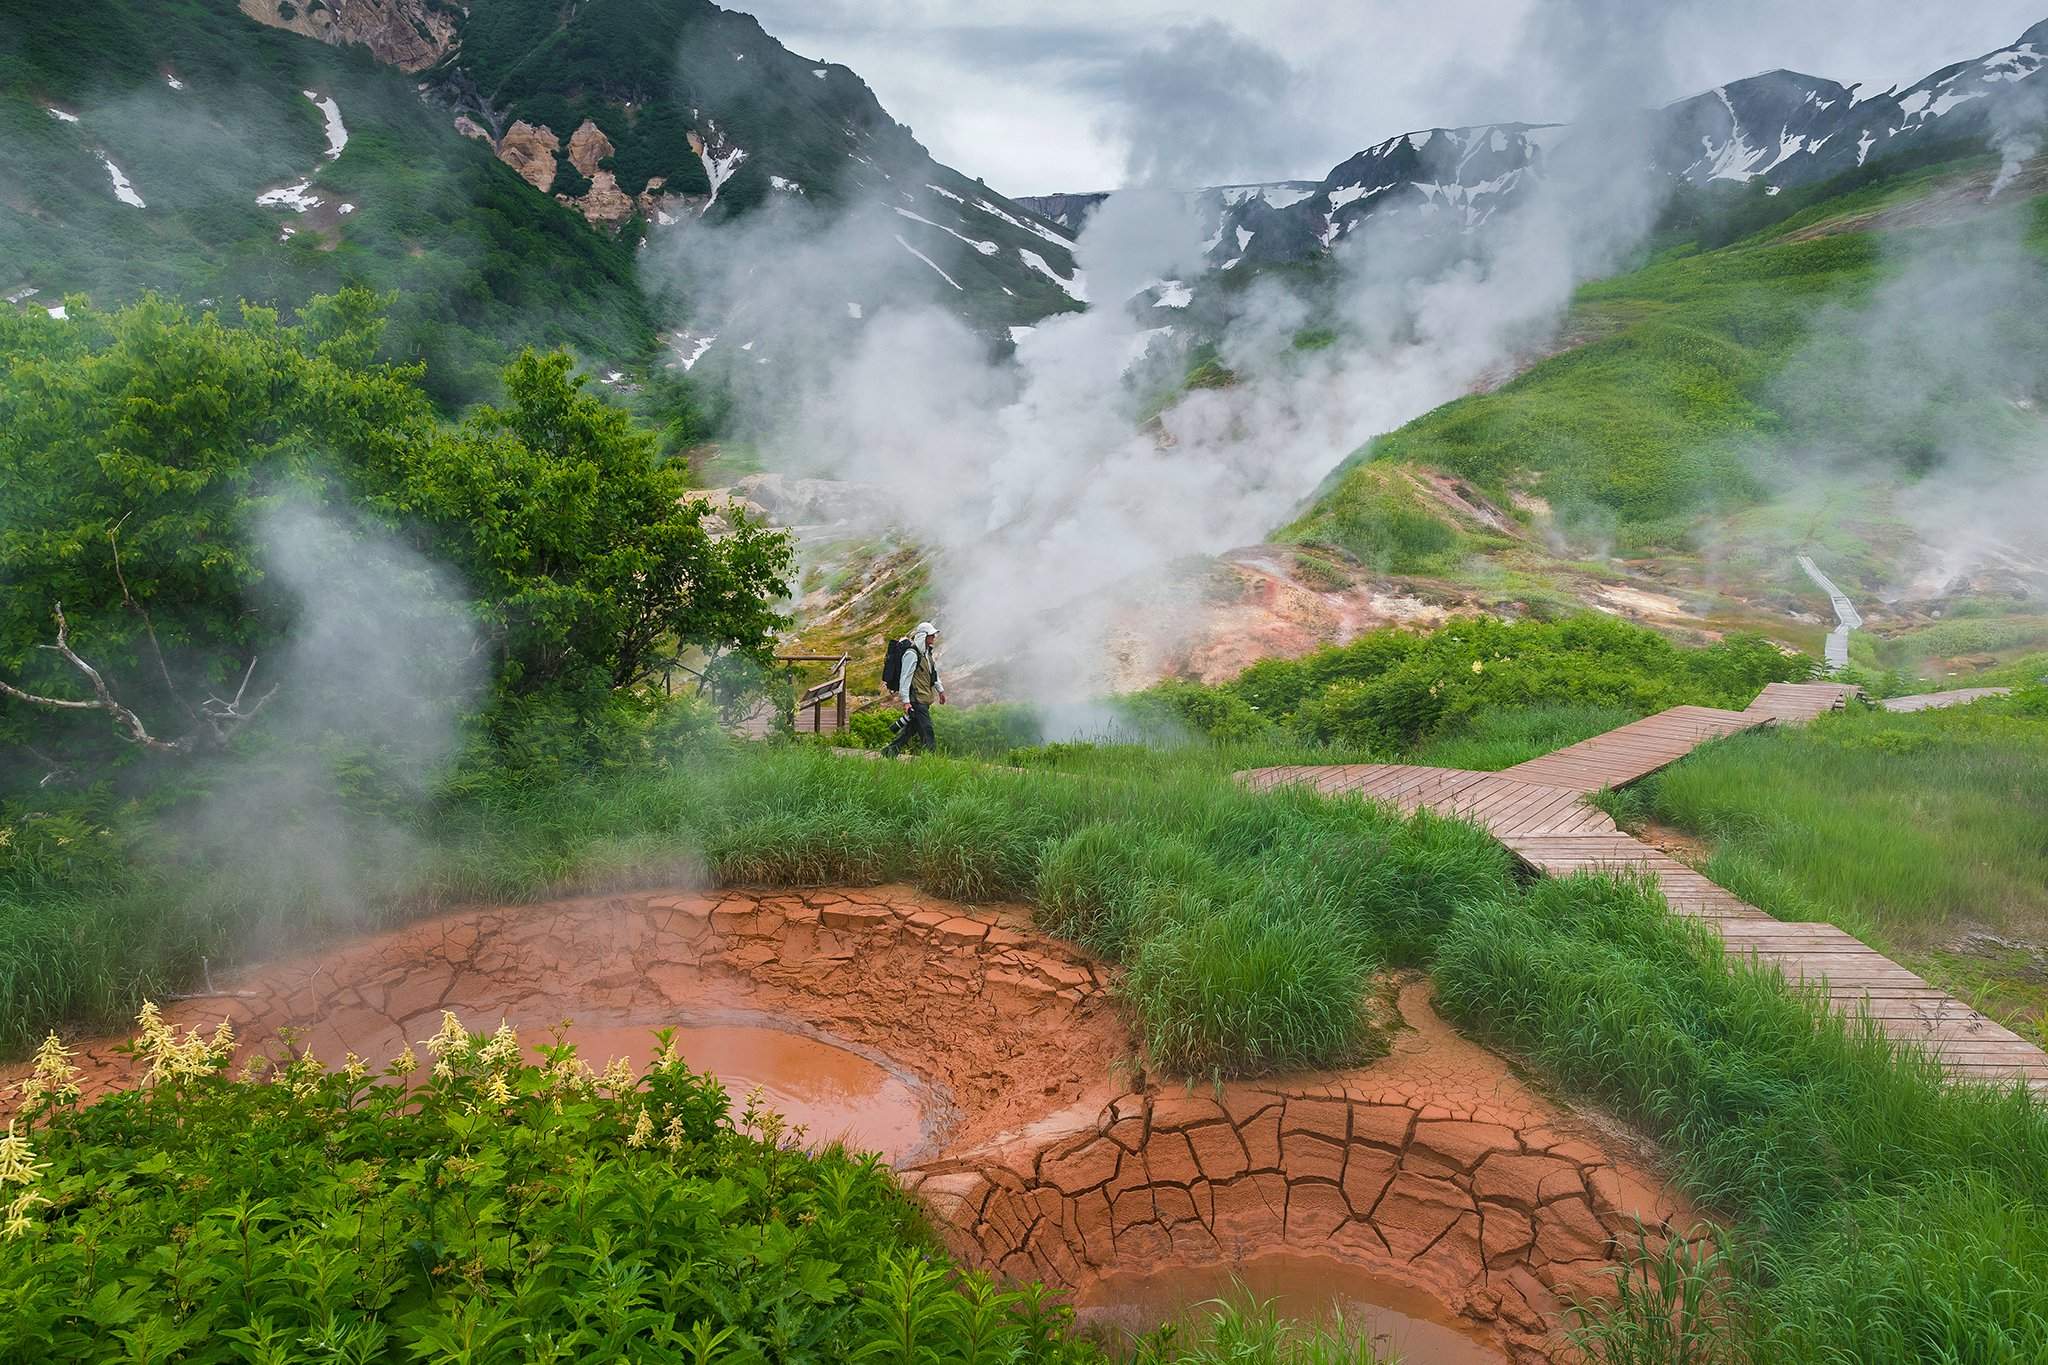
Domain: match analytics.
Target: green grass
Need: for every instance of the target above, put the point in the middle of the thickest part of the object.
(1882, 1215)
(1706, 382)
(1909, 831)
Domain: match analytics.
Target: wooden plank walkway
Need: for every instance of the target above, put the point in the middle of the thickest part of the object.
(1929, 701)
(1798, 703)
(1621, 756)
(1538, 810)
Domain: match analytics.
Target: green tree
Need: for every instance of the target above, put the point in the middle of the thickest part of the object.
(142, 452)
(595, 563)
(139, 450)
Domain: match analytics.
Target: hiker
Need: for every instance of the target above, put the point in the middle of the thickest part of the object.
(919, 684)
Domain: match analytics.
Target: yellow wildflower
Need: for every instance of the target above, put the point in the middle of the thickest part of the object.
(643, 1129)
(453, 1037)
(54, 1078)
(18, 1164)
(503, 1049)
(353, 1069)
(17, 1221)
(672, 1136)
(406, 1062)
(1478, 667)
(222, 1044)
(496, 1091)
(619, 1076)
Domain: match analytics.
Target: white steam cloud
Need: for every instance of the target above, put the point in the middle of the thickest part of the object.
(1055, 508)
(383, 664)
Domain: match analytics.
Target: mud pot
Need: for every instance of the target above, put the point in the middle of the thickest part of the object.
(1430, 1195)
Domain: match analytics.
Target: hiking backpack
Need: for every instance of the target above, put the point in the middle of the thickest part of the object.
(892, 665)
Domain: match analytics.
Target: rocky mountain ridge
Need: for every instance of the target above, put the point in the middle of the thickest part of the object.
(1778, 128)
(640, 114)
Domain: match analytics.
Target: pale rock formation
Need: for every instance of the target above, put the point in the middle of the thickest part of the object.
(587, 146)
(408, 34)
(530, 151)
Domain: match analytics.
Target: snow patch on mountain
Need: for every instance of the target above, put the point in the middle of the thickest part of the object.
(123, 191)
(985, 248)
(928, 261)
(330, 113)
(1076, 288)
(298, 198)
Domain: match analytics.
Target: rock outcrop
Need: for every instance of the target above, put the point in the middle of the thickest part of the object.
(530, 150)
(408, 34)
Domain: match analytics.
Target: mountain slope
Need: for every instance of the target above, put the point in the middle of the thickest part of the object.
(178, 146)
(1781, 394)
(500, 189)
(655, 111)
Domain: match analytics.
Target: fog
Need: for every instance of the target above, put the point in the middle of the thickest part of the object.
(1055, 508)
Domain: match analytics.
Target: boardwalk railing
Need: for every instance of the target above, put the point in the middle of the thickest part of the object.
(816, 698)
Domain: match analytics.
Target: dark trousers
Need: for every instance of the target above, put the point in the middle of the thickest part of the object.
(917, 730)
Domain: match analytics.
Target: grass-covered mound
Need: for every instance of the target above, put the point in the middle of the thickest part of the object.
(1913, 832)
(1715, 377)
(1475, 692)
(1881, 1215)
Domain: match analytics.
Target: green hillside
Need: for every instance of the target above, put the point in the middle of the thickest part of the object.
(480, 262)
(1727, 413)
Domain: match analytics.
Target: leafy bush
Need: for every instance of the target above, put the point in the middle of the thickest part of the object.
(1390, 689)
(472, 1205)
(164, 446)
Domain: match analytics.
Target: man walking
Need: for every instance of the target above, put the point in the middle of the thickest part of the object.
(915, 693)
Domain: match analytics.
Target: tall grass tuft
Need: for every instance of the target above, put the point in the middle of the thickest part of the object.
(1871, 1186)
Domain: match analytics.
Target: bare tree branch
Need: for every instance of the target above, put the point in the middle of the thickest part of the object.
(104, 699)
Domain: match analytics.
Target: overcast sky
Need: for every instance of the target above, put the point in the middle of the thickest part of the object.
(1037, 96)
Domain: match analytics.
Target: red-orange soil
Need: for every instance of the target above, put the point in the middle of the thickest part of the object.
(985, 1060)
(1434, 1168)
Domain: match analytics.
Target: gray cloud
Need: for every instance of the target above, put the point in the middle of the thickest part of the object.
(1027, 95)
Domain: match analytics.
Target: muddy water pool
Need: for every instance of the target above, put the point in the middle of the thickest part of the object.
(1401, 1322)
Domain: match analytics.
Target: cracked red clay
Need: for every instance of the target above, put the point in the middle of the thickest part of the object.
(1433, 1169)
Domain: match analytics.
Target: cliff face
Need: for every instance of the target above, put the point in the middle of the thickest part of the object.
(408, 34)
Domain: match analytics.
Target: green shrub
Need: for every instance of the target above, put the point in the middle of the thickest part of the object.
(1258, 986)
(486, 1209)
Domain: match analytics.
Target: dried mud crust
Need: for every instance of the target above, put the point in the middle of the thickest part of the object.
(1434, 1168)
(994, 1022)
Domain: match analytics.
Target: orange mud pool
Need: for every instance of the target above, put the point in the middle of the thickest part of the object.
(1430, 1195)
(1400, 1322)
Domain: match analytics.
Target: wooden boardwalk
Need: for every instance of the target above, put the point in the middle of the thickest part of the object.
(1621, 756)
(1929, 701)
(1537, 809)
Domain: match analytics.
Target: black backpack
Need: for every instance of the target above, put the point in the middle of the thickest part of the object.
(892, 665)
